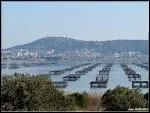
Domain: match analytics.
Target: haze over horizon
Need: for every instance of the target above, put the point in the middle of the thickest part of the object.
(24, 22)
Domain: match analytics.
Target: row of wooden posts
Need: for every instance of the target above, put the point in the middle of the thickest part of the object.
(134, 77)
(102, 78)
(142, 65)
(61, 71)
(75, 76)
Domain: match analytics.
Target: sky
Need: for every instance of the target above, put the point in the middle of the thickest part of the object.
(24, 22)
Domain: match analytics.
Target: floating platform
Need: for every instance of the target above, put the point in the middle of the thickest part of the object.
(106, 69)
(71, 77)
(130, 72)
(104, 73)
(86, 70)
(61, 71)
(102, 78)
(98, 84)
(134, 76)
(140, 84)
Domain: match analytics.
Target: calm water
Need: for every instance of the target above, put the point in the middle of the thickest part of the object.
(117, 76)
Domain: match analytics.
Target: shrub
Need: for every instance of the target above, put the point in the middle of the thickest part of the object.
(21, 92)
(122, 98)
(80, 99)
(146, 97)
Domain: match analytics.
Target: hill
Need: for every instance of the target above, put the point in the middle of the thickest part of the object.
(61, 44)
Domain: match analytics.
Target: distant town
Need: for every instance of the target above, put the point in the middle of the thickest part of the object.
(53, 49)
(33, 57)
(23, 54)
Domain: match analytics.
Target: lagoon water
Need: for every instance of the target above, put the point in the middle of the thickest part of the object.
(117, 76)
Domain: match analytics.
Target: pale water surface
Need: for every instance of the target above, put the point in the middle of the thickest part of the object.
(117, 76)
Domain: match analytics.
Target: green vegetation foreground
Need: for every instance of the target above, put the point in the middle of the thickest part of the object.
(21, 92)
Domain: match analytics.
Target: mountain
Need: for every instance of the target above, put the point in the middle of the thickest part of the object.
(61, 44)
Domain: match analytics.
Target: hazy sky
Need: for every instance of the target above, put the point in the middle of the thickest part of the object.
(23, 22)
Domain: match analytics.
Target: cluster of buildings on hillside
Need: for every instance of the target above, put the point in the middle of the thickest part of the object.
(80, 54)
(83, 53)
(24, 54)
